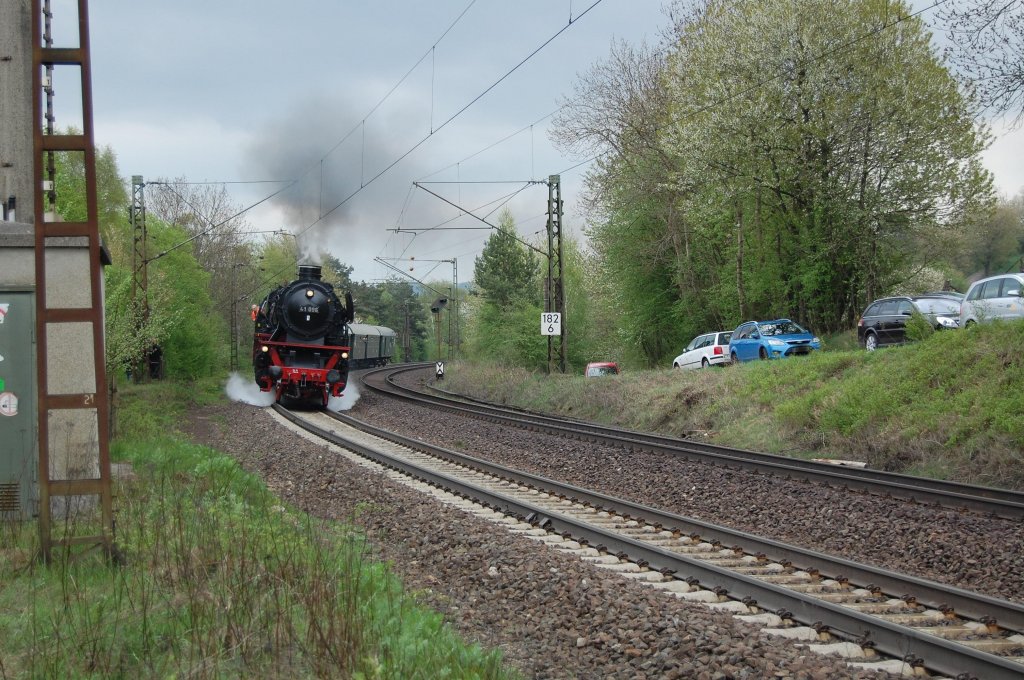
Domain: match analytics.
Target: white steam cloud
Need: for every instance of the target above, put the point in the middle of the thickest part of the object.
(346, 401)
(247, 391)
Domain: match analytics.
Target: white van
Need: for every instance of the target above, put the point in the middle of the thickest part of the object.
(997, 297)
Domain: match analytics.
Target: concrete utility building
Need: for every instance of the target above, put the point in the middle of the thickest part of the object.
(53, 406)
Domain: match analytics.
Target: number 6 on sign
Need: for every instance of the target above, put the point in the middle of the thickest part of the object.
(551, 323)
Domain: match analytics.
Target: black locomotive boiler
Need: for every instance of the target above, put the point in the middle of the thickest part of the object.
(301, 340)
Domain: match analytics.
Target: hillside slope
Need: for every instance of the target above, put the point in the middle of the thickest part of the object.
(950, 406)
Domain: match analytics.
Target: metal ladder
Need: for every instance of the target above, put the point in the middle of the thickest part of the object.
(79, 403)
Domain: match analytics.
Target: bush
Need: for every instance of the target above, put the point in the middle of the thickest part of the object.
(919, 327)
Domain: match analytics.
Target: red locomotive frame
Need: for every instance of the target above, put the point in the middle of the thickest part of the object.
(300, 381)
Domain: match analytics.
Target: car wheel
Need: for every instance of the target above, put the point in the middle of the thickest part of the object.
(733, 359)
(970, 324)
(762, 353)
(675, 365)
(871, 342)
(704, 363)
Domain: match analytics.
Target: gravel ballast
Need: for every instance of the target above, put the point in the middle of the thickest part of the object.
(969, 550)
(552, 615)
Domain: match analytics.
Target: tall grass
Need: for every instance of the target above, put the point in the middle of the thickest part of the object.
(214, 578)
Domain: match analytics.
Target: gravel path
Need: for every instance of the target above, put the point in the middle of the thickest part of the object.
(553, 616)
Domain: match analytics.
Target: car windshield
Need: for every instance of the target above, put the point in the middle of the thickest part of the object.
(595, 371)
(723, 338)
(779, 328)
(938, 306)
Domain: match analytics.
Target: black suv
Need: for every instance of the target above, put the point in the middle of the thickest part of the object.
(885, 321)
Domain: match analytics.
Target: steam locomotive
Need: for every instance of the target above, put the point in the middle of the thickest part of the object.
(304, 342)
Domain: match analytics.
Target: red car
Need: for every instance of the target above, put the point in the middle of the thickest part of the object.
(596, 369)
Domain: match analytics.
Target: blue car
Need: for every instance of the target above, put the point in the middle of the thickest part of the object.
(770, 340)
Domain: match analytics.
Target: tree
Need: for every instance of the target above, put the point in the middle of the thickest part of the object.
(111, 196)
(998, 241)
(505, 321)
(196, 343)
(211, 220)
(987, 44)
(129, 334)
(788, 159)
(507, 272)
(214, 232)
(336, 272)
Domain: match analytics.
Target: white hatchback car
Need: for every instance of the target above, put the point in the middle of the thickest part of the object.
(705, 350)
(997, 297)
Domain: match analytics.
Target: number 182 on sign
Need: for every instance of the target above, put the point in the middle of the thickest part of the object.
(551, 323)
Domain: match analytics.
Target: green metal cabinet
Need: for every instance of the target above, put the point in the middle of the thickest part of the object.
(18, 415)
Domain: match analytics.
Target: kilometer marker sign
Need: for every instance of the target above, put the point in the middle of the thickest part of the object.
(551, 323)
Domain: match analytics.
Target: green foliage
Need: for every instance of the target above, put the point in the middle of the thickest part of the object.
(589, 319)
(129, 333)
(194, 344)
(510, 335)
(504, 321)
(111, 196)
(918, 326)
(997, 241)
(507, 272)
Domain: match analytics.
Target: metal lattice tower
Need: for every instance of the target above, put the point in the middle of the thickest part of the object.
(74, 402)
(137, 218)
(555, 298)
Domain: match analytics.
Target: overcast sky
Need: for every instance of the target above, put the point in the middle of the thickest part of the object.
(254, 90)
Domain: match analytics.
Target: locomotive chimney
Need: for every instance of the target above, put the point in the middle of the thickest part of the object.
(309, 272)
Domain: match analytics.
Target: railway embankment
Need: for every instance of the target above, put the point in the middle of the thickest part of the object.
(947, 407)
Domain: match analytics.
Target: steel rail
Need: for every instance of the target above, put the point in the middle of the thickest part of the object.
(1004, 503)
(939, 654)
(973, 605)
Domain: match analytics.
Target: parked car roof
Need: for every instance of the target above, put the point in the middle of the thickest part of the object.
(599, 368)
(942, 293)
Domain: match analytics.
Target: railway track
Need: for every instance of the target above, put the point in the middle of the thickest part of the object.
(917, 622)
(998, 502)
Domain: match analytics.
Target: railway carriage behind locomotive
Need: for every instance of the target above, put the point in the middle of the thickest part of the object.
(371, 345)
(300, 345)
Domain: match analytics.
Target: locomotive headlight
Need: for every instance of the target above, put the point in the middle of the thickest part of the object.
(264, 348)
(309, 293)
(344, 355)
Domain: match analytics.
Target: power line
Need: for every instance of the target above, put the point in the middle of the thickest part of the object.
(403, 156)
(204, 218)
(493, 144)
(246, 181)
(373, 109)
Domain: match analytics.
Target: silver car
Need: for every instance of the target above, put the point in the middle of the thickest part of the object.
(997, 297)
(705, 350)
